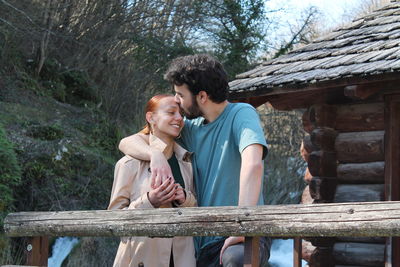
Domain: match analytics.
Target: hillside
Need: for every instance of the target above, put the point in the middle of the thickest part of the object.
(65, 153)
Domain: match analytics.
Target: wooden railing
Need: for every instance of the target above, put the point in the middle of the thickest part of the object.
(366, 219)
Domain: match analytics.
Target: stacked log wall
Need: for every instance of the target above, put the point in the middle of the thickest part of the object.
(318, 150)
(345, 155)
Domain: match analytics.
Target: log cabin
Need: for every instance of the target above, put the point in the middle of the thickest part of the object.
(348, 83)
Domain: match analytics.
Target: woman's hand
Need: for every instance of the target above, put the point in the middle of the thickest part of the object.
(180, 195)
(163, 194)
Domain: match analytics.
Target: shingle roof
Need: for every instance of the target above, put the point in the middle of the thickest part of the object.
(368, 46)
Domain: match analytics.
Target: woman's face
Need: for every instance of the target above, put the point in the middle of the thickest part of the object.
(167, 120)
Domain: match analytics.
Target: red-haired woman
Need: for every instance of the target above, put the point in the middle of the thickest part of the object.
(132, 189)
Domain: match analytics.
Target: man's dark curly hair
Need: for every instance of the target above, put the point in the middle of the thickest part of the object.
(200, 72)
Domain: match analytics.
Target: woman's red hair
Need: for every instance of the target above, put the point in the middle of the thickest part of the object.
(152, 106)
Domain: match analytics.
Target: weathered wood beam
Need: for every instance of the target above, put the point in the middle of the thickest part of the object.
(388, 82)
(322, 189)
(344, 219)
(366, 173)
(323, 115)
(322, 257)
(306, 98)
(360, 117)
(392, 168)
(360, 147)
(380, 240)
(361, 91)
(251, 251)
(324, 138)
(37, 251)
(322, 163)
(254, 101)
(359, 192)
(359, 254)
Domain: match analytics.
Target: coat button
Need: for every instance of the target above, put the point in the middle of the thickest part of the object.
(140, 264)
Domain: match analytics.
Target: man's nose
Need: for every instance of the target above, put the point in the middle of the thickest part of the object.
(177, 99)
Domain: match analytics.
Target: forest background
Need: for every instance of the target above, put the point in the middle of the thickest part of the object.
(74, 78)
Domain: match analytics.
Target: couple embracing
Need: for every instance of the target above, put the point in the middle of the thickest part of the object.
(197, 149)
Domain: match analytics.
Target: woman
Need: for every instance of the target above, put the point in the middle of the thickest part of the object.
(132, 189)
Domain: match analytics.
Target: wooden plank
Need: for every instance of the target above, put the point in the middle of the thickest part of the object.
(251, 252)
(360, 147)
(392, 170)
(328, 219)
(297, 252)
(367, 173)
(37, 251)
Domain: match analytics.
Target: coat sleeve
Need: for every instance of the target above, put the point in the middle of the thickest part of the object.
(190, 200)
(124, 175)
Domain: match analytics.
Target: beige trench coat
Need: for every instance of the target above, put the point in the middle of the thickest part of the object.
(131, 184)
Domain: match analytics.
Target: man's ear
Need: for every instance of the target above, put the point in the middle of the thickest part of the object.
(202, 97)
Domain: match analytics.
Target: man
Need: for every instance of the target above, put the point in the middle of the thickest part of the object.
(228, 145)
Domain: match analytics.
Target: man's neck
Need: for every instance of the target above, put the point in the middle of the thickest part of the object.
(212, 110)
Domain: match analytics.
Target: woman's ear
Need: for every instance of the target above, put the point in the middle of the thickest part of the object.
(149, 117)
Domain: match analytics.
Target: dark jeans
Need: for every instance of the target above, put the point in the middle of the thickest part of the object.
(233, 255)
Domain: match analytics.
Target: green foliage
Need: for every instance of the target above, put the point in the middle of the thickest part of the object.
(45, 132)
(240, 32)
(78, 88)
(10, 175)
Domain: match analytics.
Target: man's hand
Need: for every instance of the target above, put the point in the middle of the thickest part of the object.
(230, 241)
(163, 194)
(160, 169)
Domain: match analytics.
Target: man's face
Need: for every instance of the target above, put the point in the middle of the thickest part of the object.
(187, 101)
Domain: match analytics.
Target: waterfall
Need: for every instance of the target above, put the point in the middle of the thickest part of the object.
(282, 253)
(61, 248)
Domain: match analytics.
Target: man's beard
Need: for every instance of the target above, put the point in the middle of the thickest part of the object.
(193, 111)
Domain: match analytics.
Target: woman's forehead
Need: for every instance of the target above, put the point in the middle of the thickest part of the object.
(168, 102)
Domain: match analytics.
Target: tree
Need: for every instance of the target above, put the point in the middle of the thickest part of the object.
(238, 29)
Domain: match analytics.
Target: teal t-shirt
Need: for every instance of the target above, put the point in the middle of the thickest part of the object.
(217, 148)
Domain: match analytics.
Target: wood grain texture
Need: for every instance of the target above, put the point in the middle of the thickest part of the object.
(371, 172)
(357, 147)
(344, 219)
(359, 254)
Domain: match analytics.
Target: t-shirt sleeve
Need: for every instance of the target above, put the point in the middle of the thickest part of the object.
(247, 129)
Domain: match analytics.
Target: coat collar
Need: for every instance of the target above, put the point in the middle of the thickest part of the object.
(180, 153)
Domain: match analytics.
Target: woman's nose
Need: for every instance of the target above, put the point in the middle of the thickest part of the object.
(179, 116)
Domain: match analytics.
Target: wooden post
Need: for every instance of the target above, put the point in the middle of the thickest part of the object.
(251, 251)
(392, 167)
(37, 250)
(297, 252)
